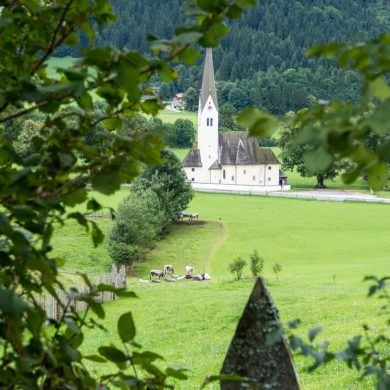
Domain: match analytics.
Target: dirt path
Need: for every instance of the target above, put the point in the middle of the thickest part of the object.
(219, 240)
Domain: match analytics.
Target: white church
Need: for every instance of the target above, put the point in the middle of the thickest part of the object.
(228, 161)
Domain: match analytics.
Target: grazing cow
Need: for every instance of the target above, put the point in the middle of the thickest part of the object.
(189, 272)
(156, 273)
(185, 214)
(201, 277)
(194, 216)
(178, 216)
(168, 269)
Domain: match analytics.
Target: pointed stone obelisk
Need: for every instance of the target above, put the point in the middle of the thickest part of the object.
(259, 350)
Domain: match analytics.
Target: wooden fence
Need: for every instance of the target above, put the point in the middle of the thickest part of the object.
(99, 215)
(54, 309)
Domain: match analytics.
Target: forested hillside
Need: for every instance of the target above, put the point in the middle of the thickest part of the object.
(263, 60)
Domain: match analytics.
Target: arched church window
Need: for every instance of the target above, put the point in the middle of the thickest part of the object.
(224, 174)
(208, 122)
(211, 121)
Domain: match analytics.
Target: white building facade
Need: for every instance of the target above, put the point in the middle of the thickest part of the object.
(229, 160)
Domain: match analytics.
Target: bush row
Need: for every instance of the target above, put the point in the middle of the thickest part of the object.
(152, 203)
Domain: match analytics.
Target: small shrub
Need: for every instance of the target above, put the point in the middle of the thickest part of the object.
(257, 263)
(236, 267)
(277, 268)
(122, 253)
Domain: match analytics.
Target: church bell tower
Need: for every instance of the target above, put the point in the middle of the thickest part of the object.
(208, 115)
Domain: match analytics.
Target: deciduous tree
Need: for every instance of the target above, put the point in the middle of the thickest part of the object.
(37, 352)
(169, 182)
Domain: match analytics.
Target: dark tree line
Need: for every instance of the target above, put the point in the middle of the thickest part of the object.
(262, 62)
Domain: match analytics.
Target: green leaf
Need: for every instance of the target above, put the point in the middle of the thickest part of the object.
(318, 160)
(107, 181)
(93, 205)
(246, 3)
(153, 370)
(95, 358)
(378, 175)
(188, 37)
(223, 378)
(379, 88)
(328, 51)
(314, 332)
(350, 176)
(259, 123)
(97, 234)
(113, 354)
(189, 55)
(146, 356)
(72, 40)
(212, 36)
(112, 123)
(273, 337)
(379, 121)
(178, 373)
(97, 308)
(80, 218)
(76, 197)
(120, 292)
(126, 327)
(12, 305)
(72, 326)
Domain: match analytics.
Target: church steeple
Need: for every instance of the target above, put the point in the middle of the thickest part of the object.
(208, 82)
(208, 116)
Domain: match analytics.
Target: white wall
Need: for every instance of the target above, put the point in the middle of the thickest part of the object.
(215, 176)
(197, 175)
(208, 135)
(252, 175)
(229, 174)
(271, 175)
(259, 175)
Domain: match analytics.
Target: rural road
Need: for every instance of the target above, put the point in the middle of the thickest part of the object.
(330, 195)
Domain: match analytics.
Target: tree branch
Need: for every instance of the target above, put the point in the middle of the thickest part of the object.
(53, 43)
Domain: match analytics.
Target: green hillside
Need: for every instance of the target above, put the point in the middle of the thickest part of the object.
(262, 62)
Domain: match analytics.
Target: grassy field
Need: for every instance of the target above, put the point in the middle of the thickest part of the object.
(56, 62)
(170, 116)
(192, 323)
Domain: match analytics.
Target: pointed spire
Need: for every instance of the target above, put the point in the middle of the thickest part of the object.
(208, 82)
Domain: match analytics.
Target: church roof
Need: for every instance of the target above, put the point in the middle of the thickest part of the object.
(215, 165)
(192, 159)
(208, 82)
(267, 156)
(238, 148)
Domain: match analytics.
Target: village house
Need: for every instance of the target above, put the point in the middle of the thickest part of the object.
(229, 160)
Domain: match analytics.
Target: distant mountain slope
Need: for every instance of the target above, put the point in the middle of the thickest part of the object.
(266, 42)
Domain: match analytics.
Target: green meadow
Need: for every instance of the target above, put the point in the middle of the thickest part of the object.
(191, 323)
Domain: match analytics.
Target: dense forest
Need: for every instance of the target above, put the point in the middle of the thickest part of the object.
(262, 62)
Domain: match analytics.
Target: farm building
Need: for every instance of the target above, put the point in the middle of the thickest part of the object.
(231, 159)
